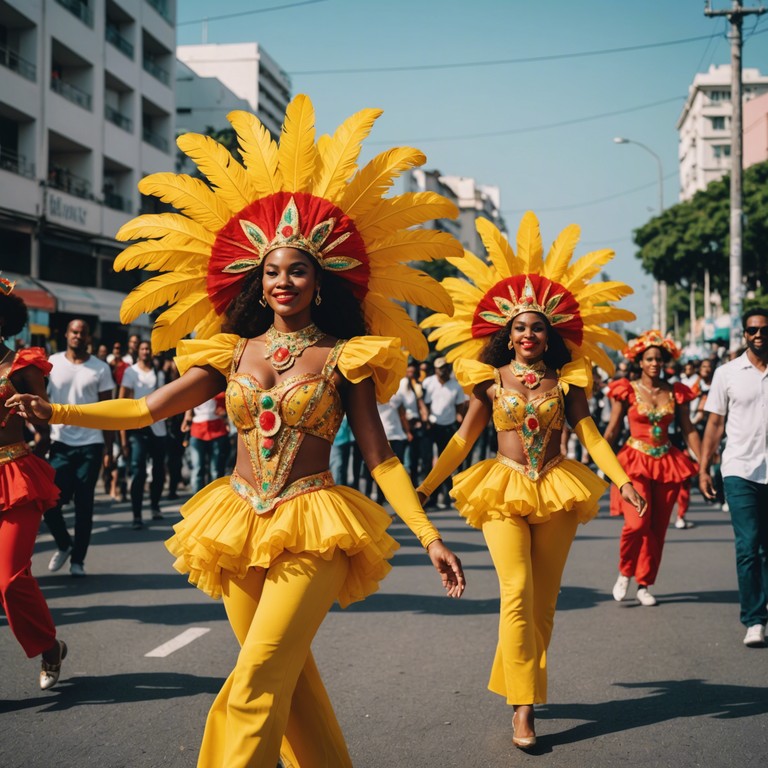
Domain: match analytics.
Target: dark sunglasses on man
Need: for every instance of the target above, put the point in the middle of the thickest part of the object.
(754, 330)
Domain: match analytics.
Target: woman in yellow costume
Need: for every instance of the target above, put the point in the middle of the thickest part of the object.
(292, 252)
(523, 335)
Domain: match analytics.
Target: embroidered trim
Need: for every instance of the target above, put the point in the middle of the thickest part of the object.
(13, 451)
(655, 451)
(528, 471)
(263, 505)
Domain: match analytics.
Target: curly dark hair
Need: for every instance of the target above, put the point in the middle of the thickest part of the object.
(666, 355)
(13, 314)
(497, 352)
(339, 314)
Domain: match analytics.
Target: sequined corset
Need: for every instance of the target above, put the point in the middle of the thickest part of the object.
(649, 426)
(272, 422)
(533, 420)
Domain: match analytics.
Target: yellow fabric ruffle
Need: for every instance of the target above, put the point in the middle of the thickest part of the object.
(491, 490)
(379, 357)
(576, 374)
(216, 351)
(221, 531)
(469, 373)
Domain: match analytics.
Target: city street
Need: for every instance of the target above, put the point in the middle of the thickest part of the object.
(407, 669)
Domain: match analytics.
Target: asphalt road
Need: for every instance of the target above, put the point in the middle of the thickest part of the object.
(406, 669)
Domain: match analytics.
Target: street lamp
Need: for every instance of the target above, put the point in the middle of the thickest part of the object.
(660, 287)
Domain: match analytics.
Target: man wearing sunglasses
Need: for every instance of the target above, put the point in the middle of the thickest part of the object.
(739, 396)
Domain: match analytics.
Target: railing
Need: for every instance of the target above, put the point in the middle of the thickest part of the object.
(160, 142)
(63, 179)
(161, 6)
(157, 71)
(112, 34)
(17, 64)
(118, 119)
(71, 92)
(117, 202)
(79, 9)
(11, 160)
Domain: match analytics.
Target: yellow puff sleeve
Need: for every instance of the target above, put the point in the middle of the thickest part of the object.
(470, 373)
(378, 357)
(216, 351)
(576, 374)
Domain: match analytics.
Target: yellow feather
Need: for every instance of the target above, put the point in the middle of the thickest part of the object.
(228, 178)
(375, 179)
(297, 153)
(561, 252)
(529, 247)
(385, 318)
(176, 322)
(597, 356)
(449, 334)
(606, 315)
(610, 338)
(156, 256)
(259, 152)
(476, 270)
(415, 245)
(411, 285)
(471, 349)
(173, 228)
(209, 326)
(405, 210)
(463, 290)
(435, 320)
(612, 290)
(159, 291)
(499, 250)
(338, 155)
(583, 270)
(191, 196)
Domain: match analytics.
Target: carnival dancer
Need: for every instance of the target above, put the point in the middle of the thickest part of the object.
(26, 491)
(525, 335)
(656, 467)
(296, 252)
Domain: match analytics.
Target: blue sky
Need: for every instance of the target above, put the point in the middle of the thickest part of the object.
(542, 128)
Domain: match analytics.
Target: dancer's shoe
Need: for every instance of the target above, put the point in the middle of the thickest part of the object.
(49, 673)
(522, 742)
(620, 588)
(645, 598)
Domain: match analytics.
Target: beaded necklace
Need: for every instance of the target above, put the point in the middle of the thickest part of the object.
(282, 349)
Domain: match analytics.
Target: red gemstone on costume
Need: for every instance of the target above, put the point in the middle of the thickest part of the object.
(287, 231)
(268, 443)
(530, 378)
(532, 424)
(267, 420)
(529, 299)
(280, 354)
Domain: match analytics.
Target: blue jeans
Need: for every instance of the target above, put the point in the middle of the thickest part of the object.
(209, 460)
(748, 503)
(145, 444)
(77, 470)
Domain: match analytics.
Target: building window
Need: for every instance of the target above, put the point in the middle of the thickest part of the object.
(721, 150)
(720, 95)
(718, 123)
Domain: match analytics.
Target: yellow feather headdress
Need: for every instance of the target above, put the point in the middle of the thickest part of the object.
(299, 193)
(490, 295)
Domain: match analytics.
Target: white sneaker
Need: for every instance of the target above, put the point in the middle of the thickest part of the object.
(620, 588)
(681, 523)
(755, 637)
(644, 597)
(60, 556)
(724, 506)
(77, 570)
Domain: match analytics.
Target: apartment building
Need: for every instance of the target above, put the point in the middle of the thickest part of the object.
(87, 108)
(704, 127)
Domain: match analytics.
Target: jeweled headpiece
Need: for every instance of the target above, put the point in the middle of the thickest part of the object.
(301, 194)
(653, 338)
(6, 286)
(490, 295)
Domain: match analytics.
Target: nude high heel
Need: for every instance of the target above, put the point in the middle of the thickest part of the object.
(522, 742)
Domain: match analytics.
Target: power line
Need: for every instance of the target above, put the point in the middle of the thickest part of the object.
(248, 13)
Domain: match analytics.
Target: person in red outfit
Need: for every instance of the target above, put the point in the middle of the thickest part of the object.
(656, 468)
(26, 491)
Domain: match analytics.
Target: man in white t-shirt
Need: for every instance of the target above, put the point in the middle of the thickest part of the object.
(141, 445)
(77, 454)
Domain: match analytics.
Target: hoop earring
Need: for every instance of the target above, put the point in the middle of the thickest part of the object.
(318, 298)
(263, 301)
(510, 345)
(546, 347)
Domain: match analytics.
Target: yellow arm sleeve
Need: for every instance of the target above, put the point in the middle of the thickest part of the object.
(453, 454)
(396, 484)
(124, 413)
(600, 451)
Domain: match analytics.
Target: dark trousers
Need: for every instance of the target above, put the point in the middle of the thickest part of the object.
(174, 452)
(209, 460)
(77, 471)
(418, 453)
(441, 435)
(144, 445)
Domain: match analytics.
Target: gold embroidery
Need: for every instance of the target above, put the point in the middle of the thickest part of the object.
(656, 451)
(12, 452)
(262, 504)
(528, 471)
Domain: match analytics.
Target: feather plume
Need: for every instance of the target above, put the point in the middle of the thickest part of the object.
(191, 196)
(415, 245)
(375, 179)
(406, 210)
(606, 314)
(157, 292)
(411, 285)
(172, 228)
(338, 155)
(585, 268)
(156, 256)
(561, 252)
(385, 318)
(499, 250)
(259, 152)
(297, 153)
(175, 323)
(529, 247)
(475, 269)
(209, 326)
(613, 290)
(472, 349)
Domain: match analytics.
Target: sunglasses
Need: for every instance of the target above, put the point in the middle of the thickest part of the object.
(756, 330)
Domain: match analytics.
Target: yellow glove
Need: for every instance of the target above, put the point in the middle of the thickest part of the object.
(599, 449)
(453, 454)
(396, 484)
(106, 414)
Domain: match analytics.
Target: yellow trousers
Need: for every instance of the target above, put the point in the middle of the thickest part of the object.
(274, 702)
(529, 561)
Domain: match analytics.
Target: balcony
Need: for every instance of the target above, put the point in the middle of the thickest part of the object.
(71, 92)
(62, 178)
(157, 71)
(117, 202)
(112, 34)
(12, 161)
(157, 141)
(118, 119)
(79, 9)
(161, 6)
(16, 63)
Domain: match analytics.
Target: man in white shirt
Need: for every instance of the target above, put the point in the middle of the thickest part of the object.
(140, 445)
(739, 396)
(77, 453)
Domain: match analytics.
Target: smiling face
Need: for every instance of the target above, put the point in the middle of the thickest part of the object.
(756, 335)
(290, 282)
(528, 336)
(652, 362)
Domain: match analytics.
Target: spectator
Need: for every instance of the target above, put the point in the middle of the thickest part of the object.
(177, 440)
(418, 451)
(341, 452)
(208, 440)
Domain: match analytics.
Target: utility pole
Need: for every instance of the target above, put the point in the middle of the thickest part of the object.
(735, 17)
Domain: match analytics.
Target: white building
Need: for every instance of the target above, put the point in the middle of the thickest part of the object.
(248, 72)
(704, 126)
(87, 109)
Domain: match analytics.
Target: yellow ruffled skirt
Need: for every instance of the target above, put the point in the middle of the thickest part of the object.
(221, 531)
(490, 490)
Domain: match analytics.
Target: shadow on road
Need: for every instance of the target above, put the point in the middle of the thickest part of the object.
(164, 615)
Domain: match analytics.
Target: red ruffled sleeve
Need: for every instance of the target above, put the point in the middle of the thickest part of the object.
(31, 356)
(621, 390)
(682, 394)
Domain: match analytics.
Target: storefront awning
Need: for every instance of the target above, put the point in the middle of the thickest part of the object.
(35, 296)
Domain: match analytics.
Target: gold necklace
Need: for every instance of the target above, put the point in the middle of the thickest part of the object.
(282, 349)
(530, 375)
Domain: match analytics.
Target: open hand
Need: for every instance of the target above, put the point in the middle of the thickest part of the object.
(629, 494)
(449, 568)
(707, 487)
(30, 407)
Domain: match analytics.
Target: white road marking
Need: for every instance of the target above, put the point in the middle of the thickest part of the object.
(185, 638)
